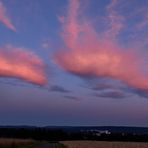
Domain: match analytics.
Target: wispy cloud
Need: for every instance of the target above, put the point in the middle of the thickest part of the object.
(71, 98)
(22, 64)
(4, 18)
(102, 86)
(144, 21)
(112, 94)
(58, 88)
(71, 24)
(140, 92)
(114, 20)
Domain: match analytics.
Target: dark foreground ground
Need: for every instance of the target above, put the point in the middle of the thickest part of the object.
(20, 143)
(28, 143)
(104, 144)
(46, 146)
(51, 145)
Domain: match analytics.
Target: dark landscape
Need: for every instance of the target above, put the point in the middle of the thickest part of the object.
(64, 133)
(68, 136)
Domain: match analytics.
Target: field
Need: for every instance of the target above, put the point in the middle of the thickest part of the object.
(17, 143)
(102, 144)
(21, 143)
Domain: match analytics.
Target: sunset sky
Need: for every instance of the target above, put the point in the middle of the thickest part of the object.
(74, 62)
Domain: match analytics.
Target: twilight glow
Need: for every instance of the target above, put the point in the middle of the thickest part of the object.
(74, 62)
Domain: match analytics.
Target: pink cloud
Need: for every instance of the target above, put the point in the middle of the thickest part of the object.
(4, 18)
(104, 60)
(70, 24)
(89, 53)
(114, 20)
(19, 63)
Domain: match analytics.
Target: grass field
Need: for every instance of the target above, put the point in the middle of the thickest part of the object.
(103, 144)
(22, 143)
(17, 143)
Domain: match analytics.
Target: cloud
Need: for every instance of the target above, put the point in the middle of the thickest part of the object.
(144, 21)
(102, 86)
(70, 24)
(71, 98)
(22, 64)
(12, 83)
(112, 94)
(91, 54)
(58, 88)
(140, 92)
(4, 18)
(115, 20)
(105, 60)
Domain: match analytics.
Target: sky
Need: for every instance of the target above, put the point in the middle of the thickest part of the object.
(74, 62)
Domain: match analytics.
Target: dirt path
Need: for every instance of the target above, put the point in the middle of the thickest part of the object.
(46, 146)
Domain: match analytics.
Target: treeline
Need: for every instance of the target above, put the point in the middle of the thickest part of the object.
(33, 133)
(61, 135)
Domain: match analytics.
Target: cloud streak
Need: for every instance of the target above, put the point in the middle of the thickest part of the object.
(19, 63)
(72, 98)
(57, 88)
(101, 86)
(112, 94)
(89, 54)
(70, 24)
(114, 20)
(5, 19)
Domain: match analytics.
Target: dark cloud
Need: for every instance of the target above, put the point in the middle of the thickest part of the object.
(18, 83)
(112, 94)
(135, 91)
(140, 92)
(103, 83)
(102, 86)
(58, 88)
(71, 97)
(13, 82)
